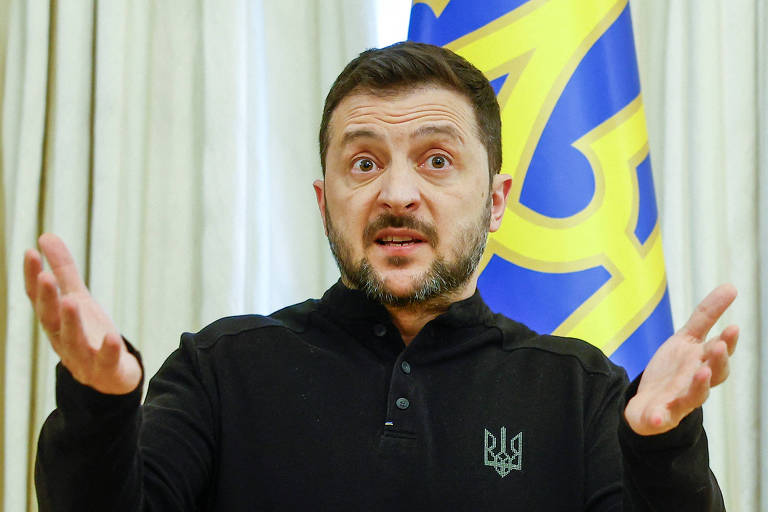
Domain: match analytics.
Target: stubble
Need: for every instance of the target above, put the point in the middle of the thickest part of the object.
(436, 285)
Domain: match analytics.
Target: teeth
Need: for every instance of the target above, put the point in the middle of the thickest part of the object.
(397, 239)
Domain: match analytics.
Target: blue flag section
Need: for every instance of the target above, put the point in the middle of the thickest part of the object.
(579, 252)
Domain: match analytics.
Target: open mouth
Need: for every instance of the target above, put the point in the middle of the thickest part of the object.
(399, 233)
(398, 241)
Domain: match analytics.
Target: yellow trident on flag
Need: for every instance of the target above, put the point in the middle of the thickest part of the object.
(579, 253)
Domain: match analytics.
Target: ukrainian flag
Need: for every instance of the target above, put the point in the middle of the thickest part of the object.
(579, 252)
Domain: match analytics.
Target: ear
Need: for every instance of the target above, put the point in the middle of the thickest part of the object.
(319, 186)
(502, 183)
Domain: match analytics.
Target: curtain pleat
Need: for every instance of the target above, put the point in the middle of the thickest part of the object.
(761, 62)
(699, 70)
(173, 146)
(24, 132)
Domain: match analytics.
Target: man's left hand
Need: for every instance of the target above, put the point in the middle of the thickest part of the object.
(679, 376)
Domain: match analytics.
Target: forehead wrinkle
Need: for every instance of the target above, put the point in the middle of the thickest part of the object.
(398, 110)
(365, 111)
(398, 115)
(438, 122)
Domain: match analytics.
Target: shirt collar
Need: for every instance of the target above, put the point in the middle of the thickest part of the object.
(353, 308)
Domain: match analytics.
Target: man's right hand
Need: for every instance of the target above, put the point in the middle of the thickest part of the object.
(79, 330)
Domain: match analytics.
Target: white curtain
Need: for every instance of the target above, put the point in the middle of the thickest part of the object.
(173, 146)
(704, 72)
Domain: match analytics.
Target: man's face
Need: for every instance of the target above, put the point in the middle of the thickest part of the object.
(406, 201)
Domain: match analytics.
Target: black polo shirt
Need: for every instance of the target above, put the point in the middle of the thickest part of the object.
(320, 406)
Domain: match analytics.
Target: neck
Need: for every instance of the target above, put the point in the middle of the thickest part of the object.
(410, 320)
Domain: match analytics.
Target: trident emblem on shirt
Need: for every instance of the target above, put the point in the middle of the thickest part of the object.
(508, 457)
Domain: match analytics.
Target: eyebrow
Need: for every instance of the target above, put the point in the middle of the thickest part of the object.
(353, 135)
(425, 131)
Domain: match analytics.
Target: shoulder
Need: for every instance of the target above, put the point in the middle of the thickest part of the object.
(292, 319)
(518, 337)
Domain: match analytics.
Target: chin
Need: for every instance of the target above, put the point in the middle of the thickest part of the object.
(401, 283)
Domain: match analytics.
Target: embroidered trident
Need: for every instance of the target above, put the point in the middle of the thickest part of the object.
(502, 461)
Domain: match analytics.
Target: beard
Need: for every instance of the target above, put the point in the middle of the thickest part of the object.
(435, 285)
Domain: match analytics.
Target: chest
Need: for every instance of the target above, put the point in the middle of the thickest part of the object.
(312, 428)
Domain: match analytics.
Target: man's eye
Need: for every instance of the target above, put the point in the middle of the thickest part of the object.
(438, 162)
(365, 165)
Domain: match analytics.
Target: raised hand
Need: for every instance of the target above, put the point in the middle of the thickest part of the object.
(682, 371)
(79, 330)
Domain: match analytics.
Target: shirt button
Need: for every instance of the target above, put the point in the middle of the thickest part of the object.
(406, 367)
(402, 403)
(379, 330)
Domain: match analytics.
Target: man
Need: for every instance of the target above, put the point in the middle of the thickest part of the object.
(398, 389)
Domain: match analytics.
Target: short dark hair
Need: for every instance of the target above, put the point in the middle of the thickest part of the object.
(406, 65)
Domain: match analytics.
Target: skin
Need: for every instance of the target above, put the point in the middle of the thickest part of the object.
(418, 155)
(680, 374)
(79, 330)
(381, 159)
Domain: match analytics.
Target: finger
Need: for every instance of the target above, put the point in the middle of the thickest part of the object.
(657, 418)
(33, 265)
(47, 304)
(709, 311)
(730, 336)
(108, 355)
(61, 262)
(716, 357)
(695, 396)
(75, 352)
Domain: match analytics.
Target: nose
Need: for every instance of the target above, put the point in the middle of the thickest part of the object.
(399, 191)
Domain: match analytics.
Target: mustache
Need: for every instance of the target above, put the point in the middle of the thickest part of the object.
(388, 220)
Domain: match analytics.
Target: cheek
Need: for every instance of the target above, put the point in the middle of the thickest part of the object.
(346, 213)
(348, 206)
(459, 212)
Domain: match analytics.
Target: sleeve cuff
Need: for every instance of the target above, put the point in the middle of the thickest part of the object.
(76, 399)
(686, 434)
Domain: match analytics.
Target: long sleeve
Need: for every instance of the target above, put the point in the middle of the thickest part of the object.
(669, 471)
(107, 452)
(632, 473)
(252, 414)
